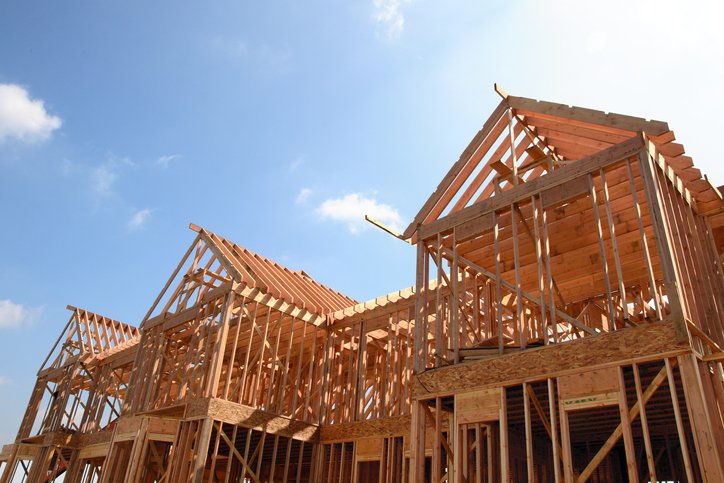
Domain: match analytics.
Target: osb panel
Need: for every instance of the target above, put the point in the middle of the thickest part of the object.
(386, 428)
(83, 440)
(248, 417)
(640, 343)
(590, 401)
(58, 438)
(369, 449)
(6, 451)
(162, 426)
(429, 442)
(564, 192)
(94, 451)
(478, 406)
(588, 383)
(27, 452)
(128, 424)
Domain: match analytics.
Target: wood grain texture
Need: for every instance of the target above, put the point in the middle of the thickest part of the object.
(635, 344)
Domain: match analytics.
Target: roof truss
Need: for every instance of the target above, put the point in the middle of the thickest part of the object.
(526, 138)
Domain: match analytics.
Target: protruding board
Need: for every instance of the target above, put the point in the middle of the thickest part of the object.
(369, 449)
(589, 389)
(429, 438)
(478, 406)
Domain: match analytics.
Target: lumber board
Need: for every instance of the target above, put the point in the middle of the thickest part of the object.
(591, 116)
(385, 427)
(251, 418)
(616, 153)
(648, 342)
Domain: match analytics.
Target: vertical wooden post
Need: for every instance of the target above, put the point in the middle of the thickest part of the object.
(614, 245)
(679, 423)
(454, 301)
(565, 443)
(419, 361)
(513, 154)
(602, 248)
(534, 203)
(702, 430)
(217, 355)
(528, 434)
(10, 465)
(633, 474)
(436, 457)
(417, 443)
(504, 457)
(663, 244)
(516, 264)
(644, 243)
(498, 290)
(439, 314)
(554, 431)
(644, 425)
(478, 454)
(201, 450)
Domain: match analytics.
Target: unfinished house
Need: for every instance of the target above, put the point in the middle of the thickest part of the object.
(565, 325)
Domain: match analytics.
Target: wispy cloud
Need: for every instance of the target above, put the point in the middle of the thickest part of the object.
(24, 118)
(4, 380)
(352, 208)
(139, 219)
(303, 196)
(388, 14)
(163, 161)
(102, 179)
(296, 164)
(14, 315)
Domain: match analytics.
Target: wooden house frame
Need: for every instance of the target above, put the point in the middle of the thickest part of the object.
(565, 325)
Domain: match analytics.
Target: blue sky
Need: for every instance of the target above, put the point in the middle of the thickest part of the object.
(277, 125)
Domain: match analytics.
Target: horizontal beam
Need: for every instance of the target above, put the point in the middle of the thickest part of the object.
(618, 121)
(513, 289)
(589, 164)
(381, 428)
(272, 302)
(650, 342)
(452, 174)
(251, 418)
(172, 320)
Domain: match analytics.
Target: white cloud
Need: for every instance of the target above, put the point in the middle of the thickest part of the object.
(303, 195)
(15, 315)
(4, 380)
(352, 208)
(139, 219)
(388, 13)
(164, 160)
(23, 118)
(103, 178)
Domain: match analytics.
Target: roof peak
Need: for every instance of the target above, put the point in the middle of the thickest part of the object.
(294, 286)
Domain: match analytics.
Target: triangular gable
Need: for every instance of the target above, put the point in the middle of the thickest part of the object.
(202, 269)
(525, 138)
(88, 333)
(213, 261)
(294, 287)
